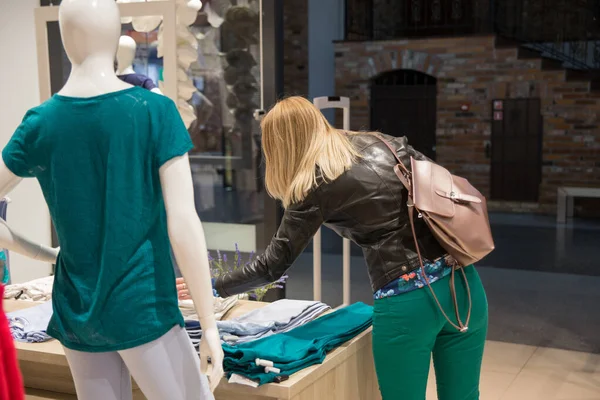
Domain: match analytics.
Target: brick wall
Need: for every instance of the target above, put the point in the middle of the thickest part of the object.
(472, 70)
(295, 51)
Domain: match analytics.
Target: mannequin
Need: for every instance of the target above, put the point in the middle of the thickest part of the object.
(126, 55)
(163, 367)
(125, 71)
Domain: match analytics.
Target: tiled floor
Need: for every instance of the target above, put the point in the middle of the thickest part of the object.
(518, 372)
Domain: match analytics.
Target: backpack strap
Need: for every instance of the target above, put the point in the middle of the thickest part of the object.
(405, 177)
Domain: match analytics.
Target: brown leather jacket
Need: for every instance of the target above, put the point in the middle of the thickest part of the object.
(367, 205)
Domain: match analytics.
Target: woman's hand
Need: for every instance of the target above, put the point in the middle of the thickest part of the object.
(210, 346)
(183, 292)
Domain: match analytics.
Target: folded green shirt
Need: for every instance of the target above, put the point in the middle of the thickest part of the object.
(299, 348)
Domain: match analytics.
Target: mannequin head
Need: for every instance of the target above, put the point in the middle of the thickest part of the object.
(125, 54)
(89, 29)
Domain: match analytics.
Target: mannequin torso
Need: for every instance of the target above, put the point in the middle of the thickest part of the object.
(90, 31)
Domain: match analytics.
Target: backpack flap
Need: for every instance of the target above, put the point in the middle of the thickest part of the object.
(429, 179)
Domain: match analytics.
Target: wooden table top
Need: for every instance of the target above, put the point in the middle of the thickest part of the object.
(52, 353)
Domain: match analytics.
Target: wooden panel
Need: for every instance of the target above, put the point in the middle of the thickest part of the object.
(51, 377)
(354, 379)
(225, 395)
(516, 164)
(55, 379)
(35, 394)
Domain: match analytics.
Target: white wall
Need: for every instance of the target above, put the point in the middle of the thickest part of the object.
(28, 212)
(325, 24)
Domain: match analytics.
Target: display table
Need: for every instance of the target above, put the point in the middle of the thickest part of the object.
(346, 374)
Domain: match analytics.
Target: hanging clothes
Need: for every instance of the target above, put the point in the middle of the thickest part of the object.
(11, 382)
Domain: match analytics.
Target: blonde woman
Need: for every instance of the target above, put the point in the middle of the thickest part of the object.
(346, 181)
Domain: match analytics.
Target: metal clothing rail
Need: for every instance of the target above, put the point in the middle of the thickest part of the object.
(323, 103)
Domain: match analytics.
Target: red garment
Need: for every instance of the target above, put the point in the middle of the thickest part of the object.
(11, 383)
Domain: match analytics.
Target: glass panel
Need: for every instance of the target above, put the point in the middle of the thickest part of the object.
(146, 60)
(227, 158)
(226, 161)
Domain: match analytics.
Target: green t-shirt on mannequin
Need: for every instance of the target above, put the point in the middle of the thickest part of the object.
(97, 161)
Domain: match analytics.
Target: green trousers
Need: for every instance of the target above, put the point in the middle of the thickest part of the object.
(409, 328)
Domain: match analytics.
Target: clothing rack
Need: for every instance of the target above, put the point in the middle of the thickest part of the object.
(322, 103)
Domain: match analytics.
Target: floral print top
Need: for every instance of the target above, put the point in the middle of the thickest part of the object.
(407, 283)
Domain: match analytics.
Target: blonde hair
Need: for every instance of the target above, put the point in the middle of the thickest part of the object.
(296, 139)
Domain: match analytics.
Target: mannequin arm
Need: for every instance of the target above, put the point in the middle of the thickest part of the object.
(186, 233)
(12, 240)
(8, 180)
(19, 244)
(189, 246)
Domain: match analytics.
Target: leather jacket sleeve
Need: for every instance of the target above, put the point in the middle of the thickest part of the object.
(405, 151)
(299, 224)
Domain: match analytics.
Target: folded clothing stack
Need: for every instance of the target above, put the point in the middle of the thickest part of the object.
(299, 348)
(36, 290)
(29, 325)
(221, 307)
(277, 317)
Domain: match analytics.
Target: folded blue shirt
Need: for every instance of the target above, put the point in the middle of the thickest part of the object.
(29, 325)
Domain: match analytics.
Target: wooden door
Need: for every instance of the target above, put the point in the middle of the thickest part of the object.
(516, 152)
(403, 103)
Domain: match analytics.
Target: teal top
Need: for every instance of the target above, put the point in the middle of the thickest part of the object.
(5, 274)
(97, 161)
